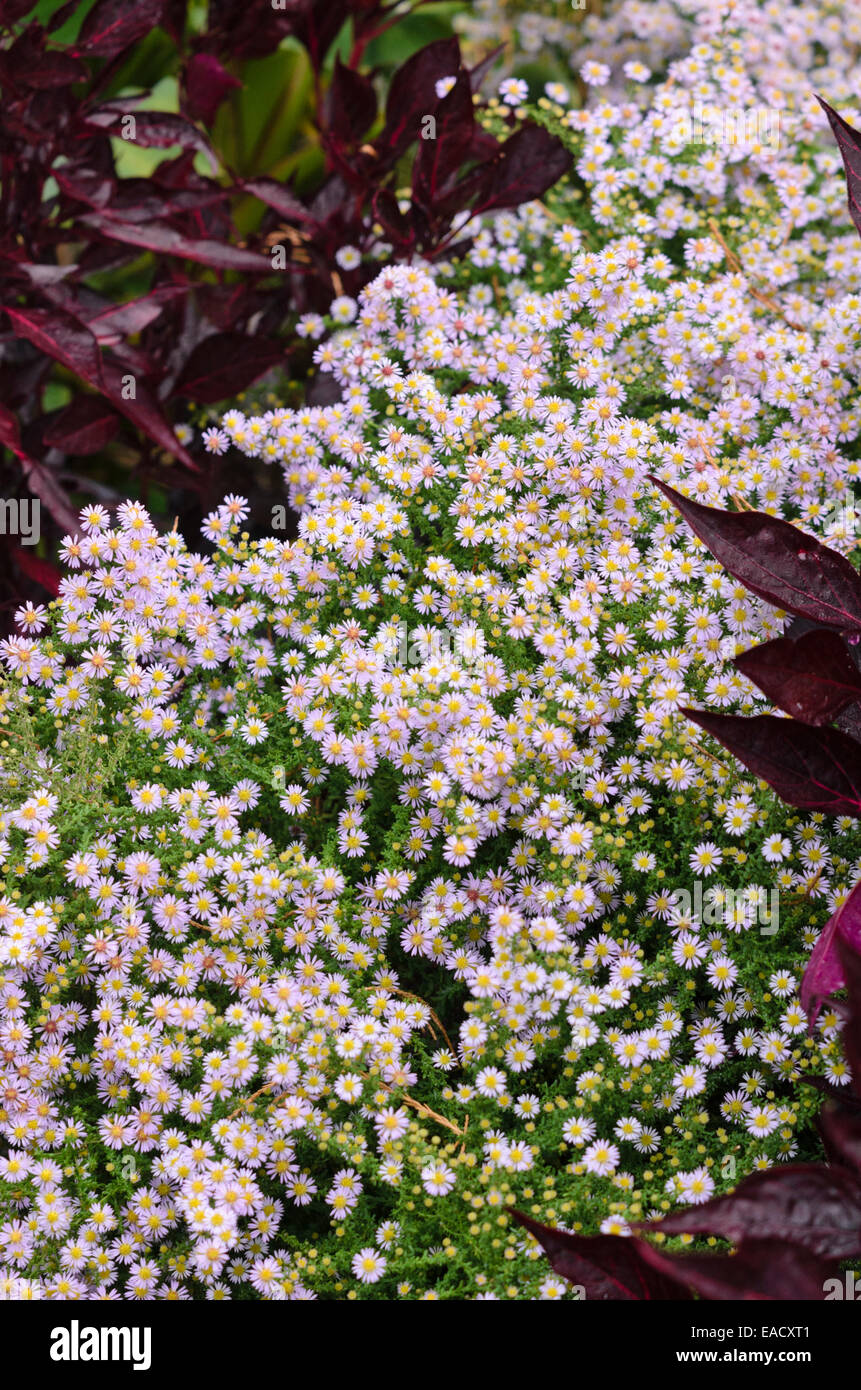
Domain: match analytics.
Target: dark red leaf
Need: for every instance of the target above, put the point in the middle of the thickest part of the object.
(59, 17)
(112, 324)
(40, 275)
(841, 1133)
(607, 1267)
(112, 25)
(849, 946)
(807, 1204)
(439, 160)
(824, 972)
(812, 677)
(777, 562)
(144, 411)
(849, 142)
(84, 427)
(62, 337)
(54, 69)
(253, 28)
(10, 434)
(412, 92)
(397, 225)
(226, 363)
(86, 186)
(70, 342)
(173, 19)
(13, 10)
(156, 236)
(478, 73)
(153, 130)
(317, 23)
(43, 482)
(206, 85)
(530, 161)
(813, 768)
(278, 196)
(350, 105)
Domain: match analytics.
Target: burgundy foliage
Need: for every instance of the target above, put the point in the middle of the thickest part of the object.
(216, 313)
(849, 142)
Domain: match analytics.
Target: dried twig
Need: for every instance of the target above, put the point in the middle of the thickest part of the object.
(736, 265)
(405, 993)
(249, 1099)
(465, 1128)
(423, 1110)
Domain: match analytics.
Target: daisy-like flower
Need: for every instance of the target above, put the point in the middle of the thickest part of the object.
(294, 800)
(695, 1187)
(775, 849)
(215, 441)
(601, 1158)
(705, 858)
(369, 1265)
(513, 91)
(437, 1179)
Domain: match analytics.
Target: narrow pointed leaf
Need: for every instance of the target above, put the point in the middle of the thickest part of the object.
(38, 476)
(759, 1269)
(144, 411)
(114, 24)
(42, 481)
(849, 142)
(812, 677)
(63, 337)
(110, 325)
(156, 130)
(824, 972)
(226, 363)
(279, 197)
(813, 768)
(154, 236)
(478, 73)
(807, 1204)
(608, 1267)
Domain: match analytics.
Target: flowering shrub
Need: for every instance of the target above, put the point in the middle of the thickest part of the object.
(127, 298)
(371, 921)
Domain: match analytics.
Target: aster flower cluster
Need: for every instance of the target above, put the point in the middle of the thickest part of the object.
(345, 875)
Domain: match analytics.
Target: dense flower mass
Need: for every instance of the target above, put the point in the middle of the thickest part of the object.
(397, 891)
